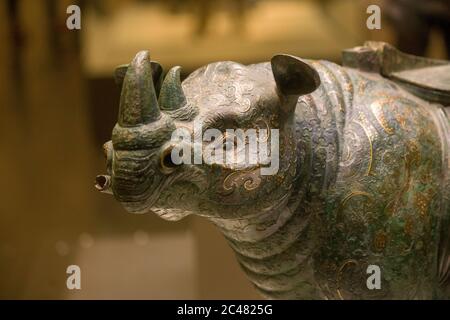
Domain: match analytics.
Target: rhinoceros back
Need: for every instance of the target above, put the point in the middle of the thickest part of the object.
(380, 167)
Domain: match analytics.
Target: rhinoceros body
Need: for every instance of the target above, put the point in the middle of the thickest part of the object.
(361, 192)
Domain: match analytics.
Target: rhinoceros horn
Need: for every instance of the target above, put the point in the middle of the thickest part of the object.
(157, 71)
(172, 96)
(138, 101)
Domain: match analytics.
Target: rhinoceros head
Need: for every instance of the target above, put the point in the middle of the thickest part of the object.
(221, 144)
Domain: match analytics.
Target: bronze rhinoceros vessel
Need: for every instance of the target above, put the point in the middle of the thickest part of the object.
(362, 178)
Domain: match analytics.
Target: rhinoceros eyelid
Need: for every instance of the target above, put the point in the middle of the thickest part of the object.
(225, 121)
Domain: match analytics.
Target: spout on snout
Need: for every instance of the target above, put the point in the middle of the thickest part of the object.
(103, 184)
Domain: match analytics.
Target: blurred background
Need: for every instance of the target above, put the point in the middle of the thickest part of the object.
(58, 104)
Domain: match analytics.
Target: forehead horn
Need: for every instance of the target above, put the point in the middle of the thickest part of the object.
(138, 101)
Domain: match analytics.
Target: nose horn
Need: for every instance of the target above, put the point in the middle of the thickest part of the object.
(172, 96)
(138, 101)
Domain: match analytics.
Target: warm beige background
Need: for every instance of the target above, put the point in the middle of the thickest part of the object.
(57, 106)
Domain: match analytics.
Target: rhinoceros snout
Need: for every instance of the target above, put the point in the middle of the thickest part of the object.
(139, 156)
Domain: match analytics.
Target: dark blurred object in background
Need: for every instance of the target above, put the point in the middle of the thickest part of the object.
(238, 10)
(16, 32)
(413, 21)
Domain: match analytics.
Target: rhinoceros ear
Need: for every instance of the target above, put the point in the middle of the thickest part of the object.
(293, 76)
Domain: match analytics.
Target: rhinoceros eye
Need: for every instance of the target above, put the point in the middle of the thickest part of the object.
(167, 165)
(167, 161)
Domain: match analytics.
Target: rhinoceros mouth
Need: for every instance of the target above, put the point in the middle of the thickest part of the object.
(175, 200)
(170, 197)
(142, 202)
